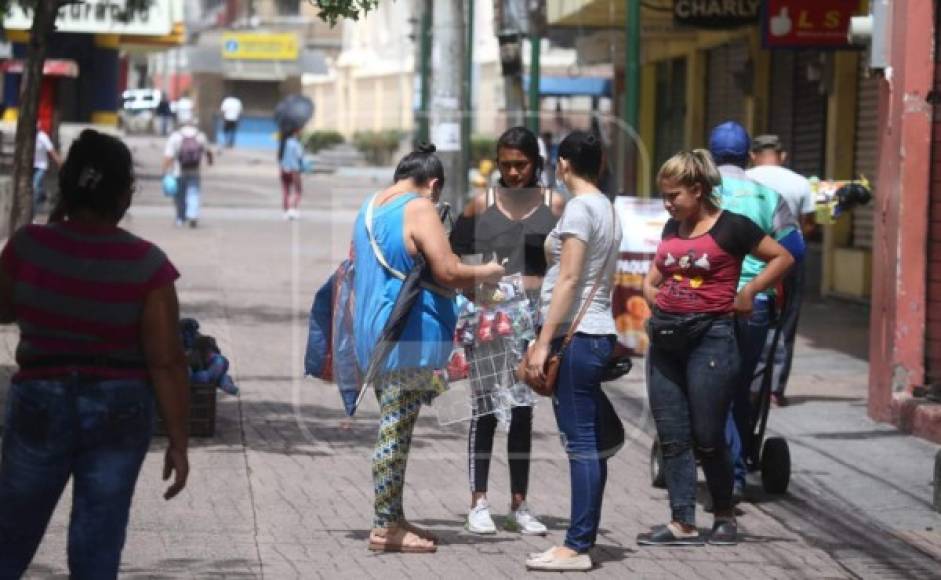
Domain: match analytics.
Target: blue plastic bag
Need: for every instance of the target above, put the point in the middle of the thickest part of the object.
(170, 185)
(331, 349)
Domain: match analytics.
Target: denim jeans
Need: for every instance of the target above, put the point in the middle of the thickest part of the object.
(39, 188)
(187, 198)
(752, 336)
(690, 393)
(97, 433)
(584, 416)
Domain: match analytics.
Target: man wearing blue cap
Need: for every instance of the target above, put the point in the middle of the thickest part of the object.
(730, 145)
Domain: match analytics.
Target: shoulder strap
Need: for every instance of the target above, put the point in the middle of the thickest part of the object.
(491, 196)
(380, 257)
(594, 289)
(547, 196)
(375, 246)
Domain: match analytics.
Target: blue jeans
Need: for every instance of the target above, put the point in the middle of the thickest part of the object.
(39, 188)
(187, 198)
(97, 433)
(583, 414)
(690, 393)
(752, 335)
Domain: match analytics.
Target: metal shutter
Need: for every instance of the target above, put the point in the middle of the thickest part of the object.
(865, 150)
(810, 116)
(725, 99)
(670, 112)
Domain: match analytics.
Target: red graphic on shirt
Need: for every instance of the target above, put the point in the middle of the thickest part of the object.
(698, 275)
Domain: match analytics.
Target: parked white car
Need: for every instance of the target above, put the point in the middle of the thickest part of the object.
(138, 109)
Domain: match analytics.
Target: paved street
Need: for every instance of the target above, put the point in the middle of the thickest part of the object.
(284, 489)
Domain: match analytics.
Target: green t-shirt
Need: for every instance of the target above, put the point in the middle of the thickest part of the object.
(762, 205)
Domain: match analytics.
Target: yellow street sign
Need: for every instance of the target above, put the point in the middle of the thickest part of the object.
(258, 46)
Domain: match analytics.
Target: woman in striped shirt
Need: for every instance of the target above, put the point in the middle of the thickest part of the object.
(98, 318)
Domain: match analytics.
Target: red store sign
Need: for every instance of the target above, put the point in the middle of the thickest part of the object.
(808, 23)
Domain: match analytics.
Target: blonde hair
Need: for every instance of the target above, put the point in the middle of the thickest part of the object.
(691, 168)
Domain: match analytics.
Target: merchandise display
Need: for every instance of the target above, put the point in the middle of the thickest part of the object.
(491, 335)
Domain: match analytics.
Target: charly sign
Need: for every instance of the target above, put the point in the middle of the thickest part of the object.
(716, 13)
(102, 17)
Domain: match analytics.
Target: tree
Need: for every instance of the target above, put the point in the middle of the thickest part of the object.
(21, 202)
(333, 10)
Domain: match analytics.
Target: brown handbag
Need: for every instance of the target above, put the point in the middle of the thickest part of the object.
(546, 388)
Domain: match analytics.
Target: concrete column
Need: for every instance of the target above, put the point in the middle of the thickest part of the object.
(841, 134)
(897, 325)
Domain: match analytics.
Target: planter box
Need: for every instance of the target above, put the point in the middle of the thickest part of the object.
(202, 421)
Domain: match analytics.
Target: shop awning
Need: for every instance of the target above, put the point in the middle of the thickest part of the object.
(51, 68)
(586, 13)
(572, 86)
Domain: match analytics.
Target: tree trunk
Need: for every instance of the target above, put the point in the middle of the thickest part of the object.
(21, 204)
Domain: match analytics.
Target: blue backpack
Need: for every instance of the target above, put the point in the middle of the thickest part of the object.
(331, 348)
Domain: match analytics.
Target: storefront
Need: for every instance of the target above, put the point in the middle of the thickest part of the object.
(90, 36)
(260, 68)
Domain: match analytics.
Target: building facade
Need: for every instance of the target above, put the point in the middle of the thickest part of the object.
(840, 119)
(88, 62)
(372, 85)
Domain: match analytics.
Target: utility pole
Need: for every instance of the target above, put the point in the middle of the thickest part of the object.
(532, 120)
(424, 69)
(510, 21)
(447, 101)
(467, 121)
(631, 110)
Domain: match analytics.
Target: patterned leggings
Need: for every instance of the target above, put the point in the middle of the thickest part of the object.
(401, 394)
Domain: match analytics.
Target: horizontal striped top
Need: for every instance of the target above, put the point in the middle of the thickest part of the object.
(78, 297)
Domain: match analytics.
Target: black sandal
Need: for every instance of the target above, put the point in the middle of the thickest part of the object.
(724, 532)
(664, 536)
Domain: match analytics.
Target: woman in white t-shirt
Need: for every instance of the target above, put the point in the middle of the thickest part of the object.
(581, 252)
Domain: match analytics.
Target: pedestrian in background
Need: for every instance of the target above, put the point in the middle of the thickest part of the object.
(291, 161)
(511, 222)
(393, 226)
(164, 115)
(692, 371)
(183, 158)
(730, 145)
(768, 158)
(185, 109)
(44, 150)
(231, 109)
(92, 356)
(582, 260)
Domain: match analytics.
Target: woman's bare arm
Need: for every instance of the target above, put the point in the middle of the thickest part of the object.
(778, 260)
(166, 364)
(652, 282)
(424, 228)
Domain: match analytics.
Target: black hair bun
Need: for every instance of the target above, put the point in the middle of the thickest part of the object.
(591, 140)
(425, 147)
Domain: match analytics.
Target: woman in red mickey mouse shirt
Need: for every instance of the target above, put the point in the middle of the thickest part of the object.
(693, 360)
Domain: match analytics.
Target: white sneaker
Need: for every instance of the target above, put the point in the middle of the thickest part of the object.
(287, 215)
(296, 213)
(479, 520)
(523, 521)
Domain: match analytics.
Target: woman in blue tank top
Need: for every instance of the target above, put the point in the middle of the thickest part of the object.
(394, 226)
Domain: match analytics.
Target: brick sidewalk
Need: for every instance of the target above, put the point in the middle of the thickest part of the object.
(284, 489)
